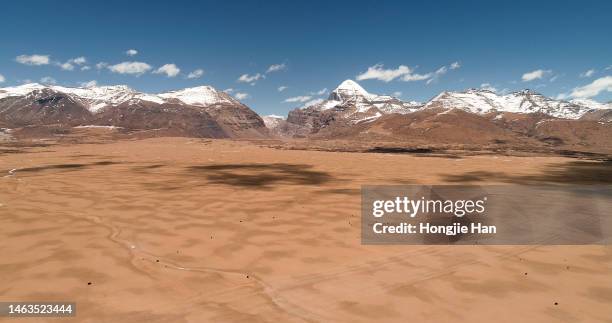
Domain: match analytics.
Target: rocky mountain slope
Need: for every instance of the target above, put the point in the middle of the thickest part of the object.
(200, 111)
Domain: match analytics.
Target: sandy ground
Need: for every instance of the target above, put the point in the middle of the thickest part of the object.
(188, 230)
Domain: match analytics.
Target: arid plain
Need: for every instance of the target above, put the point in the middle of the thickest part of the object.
(194, 230)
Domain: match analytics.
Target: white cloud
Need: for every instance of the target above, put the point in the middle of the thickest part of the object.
(70, 64)
(2, 79)
(397, 94)
(442, 70)
(404, 73)
(78, 60)
(101, 65)
(562, 96)
(91, 83)
(196, 74)
(602, 84)
(241, 96)
(276, 68)
(282, 88)
(48, 80)
(416, 77)
(554, 77)
(230, 90)
(435, 75)
(136, 68)
(66, 66)
(378, 72)
(246, 78)
(313, 102)
(588, 73)
(301, 98)
(85, 68)
(608, 68)
(534, 75)
(488, 87)
(322, 91)
(309, 99)
(170, 70)
(33, 59)
(131, 52)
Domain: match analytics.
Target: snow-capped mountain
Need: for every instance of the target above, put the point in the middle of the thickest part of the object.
(526, 101)
(278, 126)
(350, 94)
(592, 104)
(272, 121)
(199, 96)
(198, 111)
(96, 98)
(349, 104)
(206, 112)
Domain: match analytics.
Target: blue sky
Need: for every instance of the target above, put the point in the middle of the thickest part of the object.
(510, 45)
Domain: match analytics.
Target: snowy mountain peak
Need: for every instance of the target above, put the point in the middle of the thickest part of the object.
(348, 89)
(20, 89)
(199, 95)
(351, 85)
(352, 102)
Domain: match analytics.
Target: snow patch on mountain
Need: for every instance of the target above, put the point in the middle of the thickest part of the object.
(201, 96)
(20, 90)
(272, 121)
(97, 97)
(592, 104)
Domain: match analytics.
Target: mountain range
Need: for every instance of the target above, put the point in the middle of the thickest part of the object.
(351, 102)
(200, 111)
(474, 116)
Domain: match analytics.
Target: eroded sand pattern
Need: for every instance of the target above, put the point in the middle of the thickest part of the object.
(188, 230)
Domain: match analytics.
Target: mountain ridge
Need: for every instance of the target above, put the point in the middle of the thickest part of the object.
(349, 104)
(199, 111)
(474, 116)
(98, 97)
